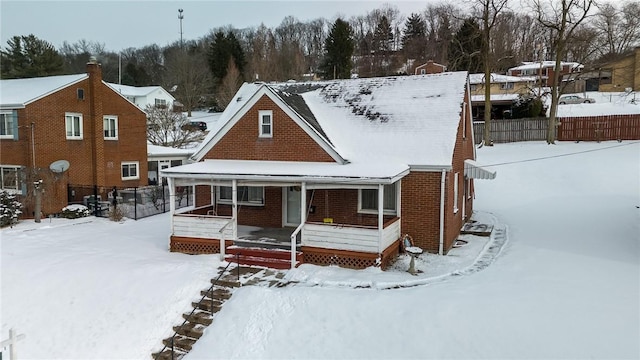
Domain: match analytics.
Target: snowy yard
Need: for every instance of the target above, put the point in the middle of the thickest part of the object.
(565, 285)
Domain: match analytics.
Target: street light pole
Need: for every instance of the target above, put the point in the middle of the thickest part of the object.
(180, 17)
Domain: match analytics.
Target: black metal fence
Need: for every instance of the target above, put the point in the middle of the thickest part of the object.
(134, 202)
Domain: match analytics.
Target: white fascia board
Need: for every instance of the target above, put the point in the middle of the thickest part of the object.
(11, 106)
(283, 179)
(56, 90)
(122, 96)
(430, 168)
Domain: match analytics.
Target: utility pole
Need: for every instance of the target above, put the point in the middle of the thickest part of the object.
(180, 17)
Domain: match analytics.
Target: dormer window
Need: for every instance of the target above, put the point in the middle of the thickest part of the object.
(265, 123)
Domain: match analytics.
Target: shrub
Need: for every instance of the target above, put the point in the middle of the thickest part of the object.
(9, 209)
(75, 211)
(116, 213)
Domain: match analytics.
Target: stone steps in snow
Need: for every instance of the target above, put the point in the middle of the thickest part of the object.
(192, 330)
(218, 294)
(180, 342)
(208, 306)
(166, 355)
(199, 317)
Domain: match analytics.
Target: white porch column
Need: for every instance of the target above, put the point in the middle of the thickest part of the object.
(380, 216)
(212, 196)
(172, 204)
(303, 219)
(234, 207)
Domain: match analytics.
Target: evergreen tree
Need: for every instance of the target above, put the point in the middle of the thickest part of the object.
(28, 56)
(465, 48)
(338, 50)
(224, 49)
(383, 35)
(414, 38)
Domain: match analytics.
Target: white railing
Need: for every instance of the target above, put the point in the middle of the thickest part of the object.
(349, 237)
(203, 226)
(223, 244)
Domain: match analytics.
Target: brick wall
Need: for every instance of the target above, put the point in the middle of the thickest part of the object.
(289, 141)
(48, 118)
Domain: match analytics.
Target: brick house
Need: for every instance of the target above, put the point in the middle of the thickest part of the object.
(76, 118)
(544, 70)
(429, 67)
(504, 90)
(621, 74)
(343, 168)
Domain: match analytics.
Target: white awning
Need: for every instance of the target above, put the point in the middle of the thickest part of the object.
(473, 170)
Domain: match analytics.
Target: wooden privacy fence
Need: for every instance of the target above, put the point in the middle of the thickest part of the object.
(587, 128)
(600, 128)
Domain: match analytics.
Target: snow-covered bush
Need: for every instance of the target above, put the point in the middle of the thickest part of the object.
(74, 211)
(9, 209)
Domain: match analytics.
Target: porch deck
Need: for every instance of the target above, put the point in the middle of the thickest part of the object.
(269, 238)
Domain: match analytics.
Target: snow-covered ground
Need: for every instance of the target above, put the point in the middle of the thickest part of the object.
(565, 285)
(607, 103)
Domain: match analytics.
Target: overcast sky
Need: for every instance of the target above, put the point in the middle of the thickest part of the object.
(122, 24)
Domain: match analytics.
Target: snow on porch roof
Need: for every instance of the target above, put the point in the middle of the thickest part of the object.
(320, 172)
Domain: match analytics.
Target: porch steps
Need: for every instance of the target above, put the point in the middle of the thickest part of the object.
(269, 258)
(196, 321)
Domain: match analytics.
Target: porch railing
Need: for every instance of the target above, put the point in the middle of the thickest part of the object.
(350, 237)
(203, 226)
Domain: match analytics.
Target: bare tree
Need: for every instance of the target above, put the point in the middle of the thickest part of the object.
(619, 28)
(489, 11)
(168, 128)
(187, 75)
(229, 85)
(562, 18)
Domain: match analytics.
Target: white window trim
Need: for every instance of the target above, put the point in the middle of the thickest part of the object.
(137, 164)
(455, 193)
(66, 119)
(110, 117)
(384, 211)
(244, 203)
(18, 189)
(468, 189)
(10, 115)
(261, 113)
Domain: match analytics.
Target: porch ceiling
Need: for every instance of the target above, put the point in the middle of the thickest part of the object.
(290, 171)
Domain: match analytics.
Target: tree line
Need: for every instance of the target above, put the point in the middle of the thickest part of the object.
(484, 35)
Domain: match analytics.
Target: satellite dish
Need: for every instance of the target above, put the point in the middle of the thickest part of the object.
(59, 166)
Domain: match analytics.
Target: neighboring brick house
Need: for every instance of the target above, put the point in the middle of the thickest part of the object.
(622, 74)
(504, 89)
(544, 70)
(430, 68)
(76, 118)
(350, 165)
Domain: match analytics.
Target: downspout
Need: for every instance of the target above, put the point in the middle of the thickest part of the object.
(380, 217)
(442, 193)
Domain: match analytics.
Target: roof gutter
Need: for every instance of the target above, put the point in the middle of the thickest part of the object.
(286, 178)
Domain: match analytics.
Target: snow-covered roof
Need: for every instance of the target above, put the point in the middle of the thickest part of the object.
(499, 78)
(158, 151)
(528, 65)
(495, 97)
(387, 124)
(17, 93)
(135, 91)
(287, 170)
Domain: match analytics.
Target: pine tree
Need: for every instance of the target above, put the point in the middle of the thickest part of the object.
(28, 56)
(383, 35)
(414, 38)
(465, 48)
(223, 49)
(338, 51)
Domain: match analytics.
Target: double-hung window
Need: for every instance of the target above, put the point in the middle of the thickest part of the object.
(265, 123)
(10, 178)
(247, 195)
(110, 127)
(130, 170)
(6, 125)
(73, 124)
(368, 200)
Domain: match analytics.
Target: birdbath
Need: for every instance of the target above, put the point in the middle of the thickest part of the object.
(413, 251)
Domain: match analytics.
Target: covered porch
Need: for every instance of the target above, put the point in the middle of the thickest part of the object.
(318, 219)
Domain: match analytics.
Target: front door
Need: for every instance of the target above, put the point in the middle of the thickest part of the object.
(291, 206)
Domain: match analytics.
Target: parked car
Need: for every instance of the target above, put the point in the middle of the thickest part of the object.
(575, 99)
(195, 125)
